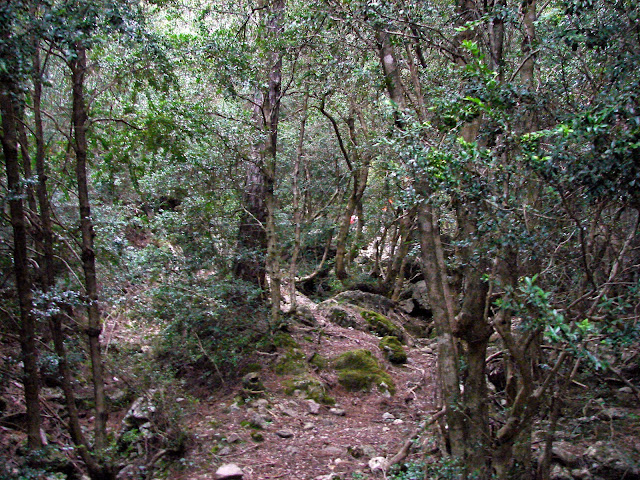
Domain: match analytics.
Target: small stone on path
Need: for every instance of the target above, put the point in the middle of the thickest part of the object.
(230, 471)
(314, 407)
(337, 411)
(284, 433)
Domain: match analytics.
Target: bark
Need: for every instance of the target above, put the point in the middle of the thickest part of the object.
(440, 300)
(528, 22)
(359, 168)
(297, 211)
(251, 248)
(20, 263)
(94, 323)
(393, 275)
(257, 235)
(271, 117)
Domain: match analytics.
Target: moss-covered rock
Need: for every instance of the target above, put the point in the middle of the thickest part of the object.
(393, 350)
(313, 389)
(284, 340)
(359, 370)
(291, 362)
(380, 324)
(318, 361)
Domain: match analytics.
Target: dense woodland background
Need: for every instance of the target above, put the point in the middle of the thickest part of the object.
(187, 164)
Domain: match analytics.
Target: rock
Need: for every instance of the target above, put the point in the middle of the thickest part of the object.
(378, 464)
(563, 452)
(388, 416)
(308, 426)
(314, 407)
(251, 383)
(140, 411)
(419, 293)
(397, 421)
(626, 397)
(581, 473)
(560, 473)
(613, 413)
(337, 412)
(407, 306)
(305, 316)
(230, 471)
(284, 433)
(612, 460)
(258, 421)
(225, 451)
(287, 411)
(233, 438)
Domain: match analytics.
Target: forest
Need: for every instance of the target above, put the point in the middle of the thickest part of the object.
(320, 240)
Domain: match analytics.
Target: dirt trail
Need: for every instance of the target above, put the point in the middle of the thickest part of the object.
(341, 441)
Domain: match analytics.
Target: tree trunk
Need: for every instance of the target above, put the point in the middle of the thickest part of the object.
(297, 212)
(441, 305)
(406, 226)
(94, 323)
(20, 263)
(249, 264)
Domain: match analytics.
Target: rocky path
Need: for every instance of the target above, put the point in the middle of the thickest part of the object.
(276, 435)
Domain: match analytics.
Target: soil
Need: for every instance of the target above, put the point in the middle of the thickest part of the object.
(373, 424)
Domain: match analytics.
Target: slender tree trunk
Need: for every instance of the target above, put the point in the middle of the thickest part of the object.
(406, 226)
(297, 211)
(271, 115)
(20, 262)
(94, 324)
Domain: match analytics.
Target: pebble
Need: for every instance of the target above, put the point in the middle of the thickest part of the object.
(284, 433)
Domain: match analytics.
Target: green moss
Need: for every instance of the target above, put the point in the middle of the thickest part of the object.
(292, 362)
(380, 324)
(284, 340)
(359, 370)
(312, 388)
(257, 437)
(250, 368)
(318, 361)
(393, 350)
